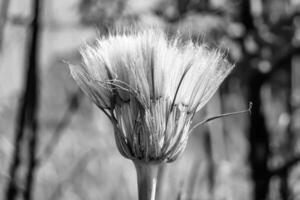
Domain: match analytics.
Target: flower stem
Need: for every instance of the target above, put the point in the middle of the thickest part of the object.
(147, 179)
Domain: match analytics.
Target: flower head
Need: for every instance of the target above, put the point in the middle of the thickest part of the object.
(150, 86)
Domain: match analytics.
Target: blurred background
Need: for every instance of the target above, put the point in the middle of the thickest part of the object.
(55, 144)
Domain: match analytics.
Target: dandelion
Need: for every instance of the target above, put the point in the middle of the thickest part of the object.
(150, 86)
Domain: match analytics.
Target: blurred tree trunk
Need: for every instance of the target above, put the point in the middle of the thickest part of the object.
(26, 135)
(259, 141)
(33, 136)
(259, 149)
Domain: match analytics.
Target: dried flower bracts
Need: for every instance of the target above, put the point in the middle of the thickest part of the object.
(150, 86)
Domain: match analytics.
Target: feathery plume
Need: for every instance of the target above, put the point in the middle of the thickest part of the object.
(150, 86)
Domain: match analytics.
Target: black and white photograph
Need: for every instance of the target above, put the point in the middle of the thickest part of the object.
(149, 99)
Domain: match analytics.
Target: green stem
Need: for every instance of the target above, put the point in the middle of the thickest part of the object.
(147, 179)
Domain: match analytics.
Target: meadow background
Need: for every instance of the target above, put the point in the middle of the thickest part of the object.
(65, 148)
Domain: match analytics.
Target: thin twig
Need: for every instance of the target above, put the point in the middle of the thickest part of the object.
(221, 116)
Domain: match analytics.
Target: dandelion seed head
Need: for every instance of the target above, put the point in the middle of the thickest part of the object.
(150, 85)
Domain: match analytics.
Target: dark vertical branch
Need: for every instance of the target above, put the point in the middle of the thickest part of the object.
(246, 15)
(284, 177)
(3, 18)
(27, 121)
(12, 186)
(259, 141)
(258, 135)
(33, 136)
